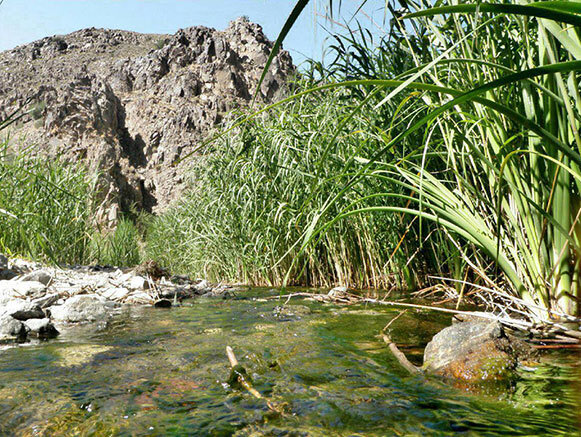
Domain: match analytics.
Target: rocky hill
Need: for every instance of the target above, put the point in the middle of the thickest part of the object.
(130, 105)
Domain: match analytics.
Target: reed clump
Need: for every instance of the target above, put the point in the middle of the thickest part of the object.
(498, 167)
(471, 133)
(47, 213)
(257, 192)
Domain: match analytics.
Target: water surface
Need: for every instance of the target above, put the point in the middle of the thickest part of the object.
(164, 371)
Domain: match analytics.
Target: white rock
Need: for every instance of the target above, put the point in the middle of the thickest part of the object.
(22, 288)
(47, 300)
(118, 293)
(4, 301)
(38, 276)
(41, 328)
(337, 292)
(80, 308)
(125, 277)
(23, 310)
(203, 286)
(138, 283)
(11, 329)
(139, 297)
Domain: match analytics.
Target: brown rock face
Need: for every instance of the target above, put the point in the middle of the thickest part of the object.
(131, 105)
(474, 351)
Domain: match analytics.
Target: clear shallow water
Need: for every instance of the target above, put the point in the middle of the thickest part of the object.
(163, 372)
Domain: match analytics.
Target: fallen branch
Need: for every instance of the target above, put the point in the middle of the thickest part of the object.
(400, 356)
(557, 346)
(239, 374)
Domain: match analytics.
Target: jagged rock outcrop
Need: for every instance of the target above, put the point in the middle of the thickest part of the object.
(131, 105)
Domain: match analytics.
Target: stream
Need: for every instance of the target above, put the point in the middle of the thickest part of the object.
(155, 371)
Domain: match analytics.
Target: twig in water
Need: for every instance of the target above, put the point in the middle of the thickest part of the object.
(401, 313)
(239, 374)
(400, 356)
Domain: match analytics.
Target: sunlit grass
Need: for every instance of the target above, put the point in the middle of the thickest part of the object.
(47, 213)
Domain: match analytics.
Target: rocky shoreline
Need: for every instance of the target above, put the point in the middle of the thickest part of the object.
(37, 301)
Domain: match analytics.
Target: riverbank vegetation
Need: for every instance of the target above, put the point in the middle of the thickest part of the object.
(465, 144)
(47, 213)
(263, 185)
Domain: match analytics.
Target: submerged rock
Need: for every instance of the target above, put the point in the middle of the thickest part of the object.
(289, 312)
(473, 351)
(79, 355)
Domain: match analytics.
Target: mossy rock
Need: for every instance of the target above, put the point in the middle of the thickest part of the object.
(474, 351)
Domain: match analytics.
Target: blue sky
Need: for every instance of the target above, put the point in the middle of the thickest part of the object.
(23, 21)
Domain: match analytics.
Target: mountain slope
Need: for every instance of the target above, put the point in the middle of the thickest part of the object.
(130, 105)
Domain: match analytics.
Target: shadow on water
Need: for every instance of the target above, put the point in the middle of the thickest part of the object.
(163, 372)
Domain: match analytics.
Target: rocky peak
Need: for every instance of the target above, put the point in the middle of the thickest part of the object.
(131, 105)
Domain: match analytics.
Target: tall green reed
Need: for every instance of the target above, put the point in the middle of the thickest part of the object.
(47, 213)
(262, 186)
(46, 208)
(502, 85)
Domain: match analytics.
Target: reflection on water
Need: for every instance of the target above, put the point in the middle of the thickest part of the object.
(163, 372)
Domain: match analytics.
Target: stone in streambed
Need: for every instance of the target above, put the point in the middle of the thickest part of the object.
(31, 289)
(115, 294)
(290, 312)
(12, 329)
(139, 297)
(23, 310)
(78, 355)
(202, 287)
(46, 300)
(472, 351)
(138, 283)
(41, 328)
(81, 308)
(38, 276)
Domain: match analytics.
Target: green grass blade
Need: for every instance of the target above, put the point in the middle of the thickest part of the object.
(292, 18)
(496, 8)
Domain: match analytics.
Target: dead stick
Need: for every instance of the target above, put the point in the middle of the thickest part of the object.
(401, 313)
(231, 357)
(241, 379)
(400, 356)
(514, 323)
(557, 346)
